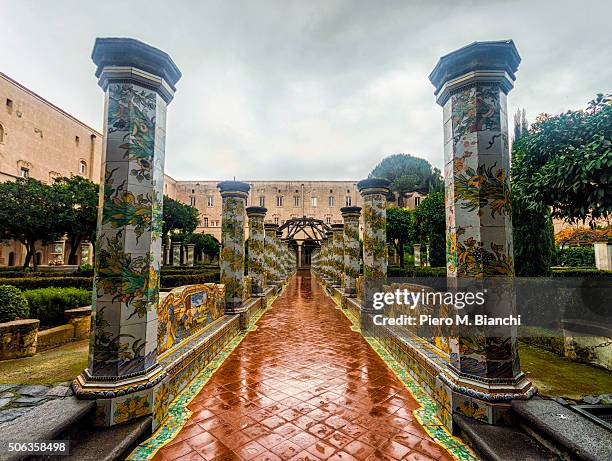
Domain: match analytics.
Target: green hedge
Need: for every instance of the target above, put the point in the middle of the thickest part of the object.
(13, 304)
(48, 304)
(31, 283)
(580, 272)
(173, 281)
(416, 272)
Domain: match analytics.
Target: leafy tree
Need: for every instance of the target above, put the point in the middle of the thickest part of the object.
(204, 243)
(408, 174)
(565, 162)
(179, 216)
(430, 217)
(28, 212)
(78, 201)
(401, 229)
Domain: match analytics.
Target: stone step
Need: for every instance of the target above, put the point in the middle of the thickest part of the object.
(564, 430)
(47, 421)
(501, 443)
(109, 443)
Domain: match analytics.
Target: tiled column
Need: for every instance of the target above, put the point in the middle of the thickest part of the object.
(167, 248)
(233, 200)
(351, 216)
(374, 192)
(428, 263)
(270, 254)
(256, 217)
(337, 254)
(327, 260)
(417, 255)
(176, 253)
(279, 244)
(123, 374)
(471, 85)
(190, 247)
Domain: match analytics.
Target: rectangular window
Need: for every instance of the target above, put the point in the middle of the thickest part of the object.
(276, 220)
(209, 201)
(328, 219)
(24, 172)
(192, 201)
(279, 200)
(417, 201)
(330, 201)
(77, 140)
(205, 222)
(296, 201)
(313, 202)
(262, 201)
(348, 201)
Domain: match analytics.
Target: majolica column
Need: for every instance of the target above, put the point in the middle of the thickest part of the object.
(278, 244)
(273, 275)
(176, 253)
(190, 247)
(337, 254)
(328, 273)
(167, 253)
(374, 192)
(471, 86)
(233, 201)
(256, 217)
(417, 255)
(123, 374)
(351, 216)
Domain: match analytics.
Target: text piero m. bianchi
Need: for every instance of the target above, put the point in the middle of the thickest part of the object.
(435, 308)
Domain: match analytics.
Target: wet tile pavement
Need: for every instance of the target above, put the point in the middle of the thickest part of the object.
(303, 386)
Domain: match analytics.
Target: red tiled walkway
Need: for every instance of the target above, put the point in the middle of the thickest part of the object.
(303, 386)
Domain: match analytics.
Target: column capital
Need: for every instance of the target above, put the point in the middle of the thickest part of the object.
(256, 211)
(123, 59)
(234, 189)
(493, 62)
(270, 226)
(351, 212)
(373, 186)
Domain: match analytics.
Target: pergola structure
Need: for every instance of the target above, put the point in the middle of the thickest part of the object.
(304, 235)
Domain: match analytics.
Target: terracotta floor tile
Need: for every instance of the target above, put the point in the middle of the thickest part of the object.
(303, 384)
(305, 456)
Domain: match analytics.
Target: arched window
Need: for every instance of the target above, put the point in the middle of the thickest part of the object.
(2, 133)
(82, 167)
(11, 261)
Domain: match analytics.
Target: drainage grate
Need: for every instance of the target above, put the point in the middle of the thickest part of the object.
(600, 414)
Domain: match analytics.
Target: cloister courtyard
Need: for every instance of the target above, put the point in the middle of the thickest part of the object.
(412, 313)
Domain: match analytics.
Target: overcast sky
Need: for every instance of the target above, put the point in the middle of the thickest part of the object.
(311, 89)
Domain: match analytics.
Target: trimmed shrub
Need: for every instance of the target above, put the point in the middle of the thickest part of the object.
(416, 272)
(48, 304)
(576, 256)
(31, 283)
(173, 281)
(13, 305)
(580, 272)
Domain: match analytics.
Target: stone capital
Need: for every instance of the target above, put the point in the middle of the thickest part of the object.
(234, 189)
(373, 186)
(256, 212)
(121, 59)
(492, 63)
(351, 212)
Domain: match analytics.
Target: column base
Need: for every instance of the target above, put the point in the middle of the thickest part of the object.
(121, 400)
(484, 399)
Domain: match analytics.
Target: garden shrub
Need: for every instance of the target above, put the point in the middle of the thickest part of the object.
(416, 272)
(30, 283)
(13, 304)
(173, 281)
(576, 256)
(48, 304)
(580, 272)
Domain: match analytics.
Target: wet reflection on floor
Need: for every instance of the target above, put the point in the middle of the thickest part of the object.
(303, 386)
